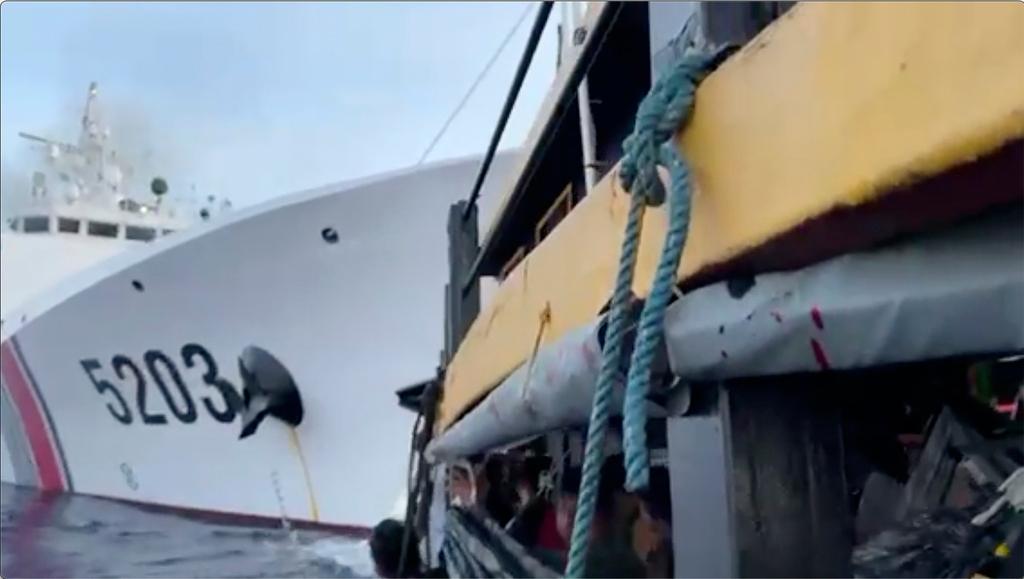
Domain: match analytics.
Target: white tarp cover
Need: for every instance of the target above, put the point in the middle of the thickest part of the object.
(958, 291)
(557, 391)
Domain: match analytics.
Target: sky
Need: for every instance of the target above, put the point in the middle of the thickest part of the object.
(254, 100)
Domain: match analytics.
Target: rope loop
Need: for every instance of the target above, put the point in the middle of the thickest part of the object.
(661, 114)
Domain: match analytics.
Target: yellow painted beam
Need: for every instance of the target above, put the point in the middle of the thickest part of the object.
(835, 105)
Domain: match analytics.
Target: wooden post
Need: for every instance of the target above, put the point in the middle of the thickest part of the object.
(463, 304)
(758, 486)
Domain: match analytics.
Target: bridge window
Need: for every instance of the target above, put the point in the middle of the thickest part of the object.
(139, 233)
(65, 225)
(102, 229)
(35, 224)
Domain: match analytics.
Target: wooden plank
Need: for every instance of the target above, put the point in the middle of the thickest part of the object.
(790, 512)
(513, 261)
(461, 307)
(818, 137)
(758, 485)
(559, 209)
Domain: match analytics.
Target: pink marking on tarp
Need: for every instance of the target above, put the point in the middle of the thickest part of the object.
(816, 317)
(550, 375)
(819, 354)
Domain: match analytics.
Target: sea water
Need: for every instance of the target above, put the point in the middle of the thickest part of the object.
(45, 535)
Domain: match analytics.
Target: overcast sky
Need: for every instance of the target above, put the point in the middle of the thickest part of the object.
(254, 100)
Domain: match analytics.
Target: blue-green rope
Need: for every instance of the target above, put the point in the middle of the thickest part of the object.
(660, 115)
(601, 409)
(651, 325)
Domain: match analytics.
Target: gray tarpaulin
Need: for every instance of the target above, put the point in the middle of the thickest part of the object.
(557, 391)
(958, 291)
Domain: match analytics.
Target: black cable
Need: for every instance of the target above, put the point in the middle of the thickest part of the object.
(412, 489)
(510, 100)
(472, 88)
(588, 51)
(420, 437)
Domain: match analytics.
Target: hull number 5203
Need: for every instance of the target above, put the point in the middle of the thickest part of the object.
(219, 397)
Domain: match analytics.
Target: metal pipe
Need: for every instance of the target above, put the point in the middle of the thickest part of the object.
(561, 108)
(587, 130)
(510, 100)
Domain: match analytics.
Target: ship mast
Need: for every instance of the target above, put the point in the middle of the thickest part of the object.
(85, 181)
(91, 133)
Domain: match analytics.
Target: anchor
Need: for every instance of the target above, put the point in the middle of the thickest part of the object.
(268, 390)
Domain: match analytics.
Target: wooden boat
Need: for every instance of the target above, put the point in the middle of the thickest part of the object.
(856, 233)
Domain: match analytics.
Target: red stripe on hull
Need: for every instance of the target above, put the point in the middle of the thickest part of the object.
(44, 451)
(228, 518)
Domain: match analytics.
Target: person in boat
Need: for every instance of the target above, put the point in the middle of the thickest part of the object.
(652, 527)
(611, 552)
(483, 484)
(462, 485)
(534, 525)
(386, 544)
(499, 491)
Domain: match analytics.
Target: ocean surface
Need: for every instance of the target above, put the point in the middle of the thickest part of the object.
(77, 536)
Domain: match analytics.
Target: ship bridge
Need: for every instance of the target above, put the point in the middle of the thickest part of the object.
(80, 189)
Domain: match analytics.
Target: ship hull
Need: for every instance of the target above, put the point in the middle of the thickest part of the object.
(125, 385)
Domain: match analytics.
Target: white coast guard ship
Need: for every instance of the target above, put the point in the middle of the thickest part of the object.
(243, 367)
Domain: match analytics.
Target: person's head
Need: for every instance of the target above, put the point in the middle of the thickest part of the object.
(527, 478)
(565, 503)
(498, 494)
(492, 477)
(386, 549)
(609, 487)
(462, 484)
(652, 526)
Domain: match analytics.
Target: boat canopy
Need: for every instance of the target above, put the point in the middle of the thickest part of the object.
(959, 291)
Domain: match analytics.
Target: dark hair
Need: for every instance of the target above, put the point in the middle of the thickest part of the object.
(569, 482)
(612, 480)
(658, 495)
(529, 471)
(494, 470)
(386, 549)
(500, 500)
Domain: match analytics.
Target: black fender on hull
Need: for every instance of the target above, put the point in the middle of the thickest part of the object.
(268, 390)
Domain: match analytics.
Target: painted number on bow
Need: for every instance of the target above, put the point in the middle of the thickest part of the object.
(220, 398)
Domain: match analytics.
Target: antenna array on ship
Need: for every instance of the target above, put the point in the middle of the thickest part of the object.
(836, 350)
(81, 189)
